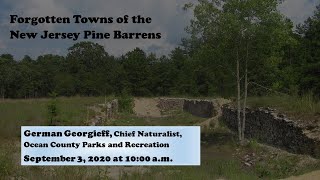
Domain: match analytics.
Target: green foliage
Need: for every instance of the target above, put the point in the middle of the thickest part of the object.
(309, 54)
(126, 104)
(52, 108)
(222, 32)
(137, 72)
(278, 167)
(305, 106)
(278, 58)
(253, 144)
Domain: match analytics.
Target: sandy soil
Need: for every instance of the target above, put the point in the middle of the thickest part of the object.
(315, 175)
(214, 121)
(146, 107)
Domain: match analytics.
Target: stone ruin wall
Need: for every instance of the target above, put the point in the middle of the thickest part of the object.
(263, 124)
(200, 108)
(275, 129)
(197, 107)
(103, 112)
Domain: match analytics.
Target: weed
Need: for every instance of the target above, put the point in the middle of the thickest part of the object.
(304, 107)
(278, 167)
(126, 104)
(253, 144)
(52, 108)
(6, 165)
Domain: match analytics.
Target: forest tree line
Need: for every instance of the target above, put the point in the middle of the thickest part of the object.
(278, 56)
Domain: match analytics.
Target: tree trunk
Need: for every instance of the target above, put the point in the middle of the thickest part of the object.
(245, 94)
(238, 98)
(3, 94)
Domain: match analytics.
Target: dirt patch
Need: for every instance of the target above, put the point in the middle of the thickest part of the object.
(315, 175)
(99, 113)
(214, 121)
(157, 108)
(147, 107)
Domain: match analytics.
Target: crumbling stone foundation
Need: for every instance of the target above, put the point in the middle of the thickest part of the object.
(275, 129)
(104, 112)
(197, 107)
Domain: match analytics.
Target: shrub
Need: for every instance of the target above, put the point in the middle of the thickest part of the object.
(125, 104)
(52, 108)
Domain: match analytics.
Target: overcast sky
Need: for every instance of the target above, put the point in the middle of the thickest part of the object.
(167, 18)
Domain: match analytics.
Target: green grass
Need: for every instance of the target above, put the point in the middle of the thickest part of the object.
(126, 104)
(301, 107)
(280, 167)
(253, 144)
(16, 113)
(176, 118)
(209, 169)
(6, 165)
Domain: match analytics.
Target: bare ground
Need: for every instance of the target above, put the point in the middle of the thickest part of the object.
(214, 121)
(146, 107)
(315, 175)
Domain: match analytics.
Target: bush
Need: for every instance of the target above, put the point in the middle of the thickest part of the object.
(253, 144)
(52, 108)
(125, 104)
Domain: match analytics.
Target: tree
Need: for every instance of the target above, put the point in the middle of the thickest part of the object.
(7, 73)
(7, 56)
(49, 67)
(137, 68)
(28, 77)
(86, 62)
(242, 34)
(52, 108)
(310, 36)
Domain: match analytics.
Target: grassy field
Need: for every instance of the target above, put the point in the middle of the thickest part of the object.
(178, 118)
(305, 107)
(16, 113)
(221, 156)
